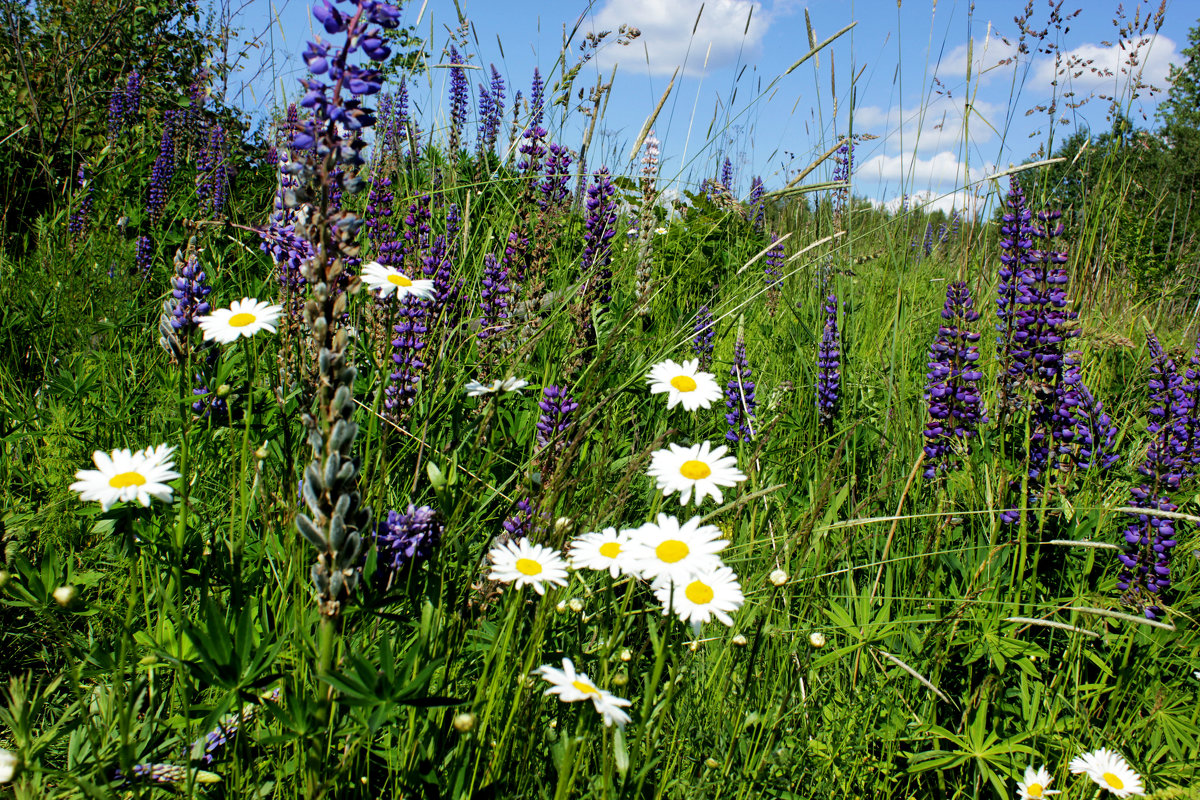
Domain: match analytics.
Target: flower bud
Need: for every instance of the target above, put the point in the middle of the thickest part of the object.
(620, 679)
(562, 524)
(627, 656)
(711, 763)
(740, 640)
(4, 576)
(778, 577)
(816, 639)
(560, 607)
(223, 390)
(694, 645)
(575, 604)
(63, 595)
(464, 722)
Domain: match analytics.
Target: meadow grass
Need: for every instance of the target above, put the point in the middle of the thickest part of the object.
(897, 638)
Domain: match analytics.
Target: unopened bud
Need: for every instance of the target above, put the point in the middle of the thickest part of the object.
(694, 645)
(562, 524)
(560, 607)
(620, 679)
(223, 390)
(464, 722)
(740, 640)
(816, 639)
(626, 656)
(262, 452)
(711, 763)
(63, 595)
(778, 577)
(575, 604)
(4, 576)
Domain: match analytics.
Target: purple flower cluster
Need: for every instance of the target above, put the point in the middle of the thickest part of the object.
(207, 748)
(491, 111)
(406, 538)
(703, 332)
(558, 410)
(459, 100)
(1087, 433)
(773, 273)
(952, 392)
(494, 298)
(829, 366)
(537, 100)
(532, 149)
(377, 217)
(1016, 247)
(727, 174)
(80, 219)
(212, 172)
(124, 104)
(189, 292)
(757, 205)
(739, 395)
(842, 169)
(520, 524)
(599, 229)
(288, 248)
(164, 168)
(557, 173)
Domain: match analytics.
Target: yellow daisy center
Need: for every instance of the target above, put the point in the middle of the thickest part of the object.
(527, 566)
(126, 479)
(683, 383)
(399, 280)
(1034, 790)
(695, 470)
(1113, 781)
(672, 550)
(240, 320)
(699, 593)
(610, 549)
(585, 687)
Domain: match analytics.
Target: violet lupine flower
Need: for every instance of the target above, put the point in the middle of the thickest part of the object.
(143, 258)
(438, 264)
(494, 298)
(727, 174)
(955, 408)
(406, 538)
(80, 218)
(927, 245)
(703, 332)
(458, 99)
(163, 170)
(133, 97)
(757, 204)
(212, 172)
(739, 395)
(600, 227)
(520, 524)
(490, 116)
(1188, 409)
(166, 775)
(537, 100)
(407, 363)
(532, 149)
(116, 112)
(842, 169)
(829, 366)
(1093, 433)
(1149, 539)
(189, 292)
(558, 410)
(377, 218)
(1016, 245)
(773, 273)
(288, 248)
(207, 748)
(557, 173)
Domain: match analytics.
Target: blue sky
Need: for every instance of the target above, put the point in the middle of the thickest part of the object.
(903, 68)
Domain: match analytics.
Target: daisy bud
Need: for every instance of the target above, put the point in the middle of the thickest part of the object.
(816, 639)
(778, 577)
(560, 607)
(620, 679)
(694, 645)
(262, 452)
(4, 576)
(575, 604)
(223, 390)
(627, 656)
(464, 722)
(711, 763)
(63, 595)
(740, 640)
(562, 524)
(8, 765)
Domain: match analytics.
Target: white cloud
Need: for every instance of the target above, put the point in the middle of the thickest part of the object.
(941, 169)
(936, 125)
(931, 201)
(667, 38)
(1110, 69)
(990, 58)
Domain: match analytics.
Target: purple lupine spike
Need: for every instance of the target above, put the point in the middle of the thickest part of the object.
(166, 775)
(459, 99)
(520, 524)
(727, 174)
(739, 395)
(599, 229)
(206, 749)
(955, 407)
(404, 539)
(438, 264)
(537, 99)
(927, 244)
(377, 218)
(1016, 245)
(954, 221)
(163, 170)
(212, 172)
(494, 298)
(143, 258)
(829, 366)
(704, 330)
(842, 169)
(1093, 433)
(532, 149)
(491, 111)
(773, 273)
(81, 215)
(557, 171)
(757, 209)
(407, 361)
(1188, 407)
(133, 97)
(189, 292)
(287, 246)
(485, 115)
(558, 410)
(116, 112)
(1149, 539)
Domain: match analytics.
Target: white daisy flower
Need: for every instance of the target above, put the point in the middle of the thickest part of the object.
(477, 389)
(708, 593)
(8, 765)
(123, 475)
(389, 280)
(684, 384)
(660, 230)
(572, 686)
(665, 550)
(606, 550)
(244, 317)
(1035, 783)
(528, 565)
(682, 469)
(1109, 770)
